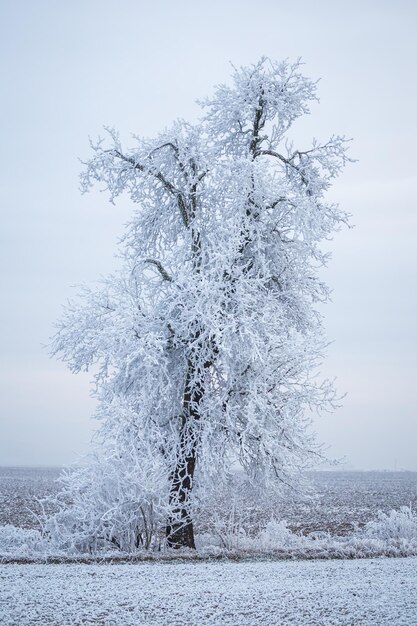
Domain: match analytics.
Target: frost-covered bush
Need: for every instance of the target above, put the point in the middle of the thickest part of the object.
(400, 525)
(20, 542)
(275, 535)
(103, 514)
(113, 501)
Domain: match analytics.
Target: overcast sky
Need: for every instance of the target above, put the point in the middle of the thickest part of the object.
(68, 68)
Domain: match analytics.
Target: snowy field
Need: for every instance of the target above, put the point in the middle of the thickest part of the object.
(377, 592)
(20, 487)
(338, 499)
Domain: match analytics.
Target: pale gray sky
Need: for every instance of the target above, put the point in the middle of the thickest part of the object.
(69, 67)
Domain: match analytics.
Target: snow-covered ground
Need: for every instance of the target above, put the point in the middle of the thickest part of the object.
(375, 592)
(359, 592)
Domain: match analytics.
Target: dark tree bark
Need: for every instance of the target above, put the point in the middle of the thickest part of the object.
(180, 529)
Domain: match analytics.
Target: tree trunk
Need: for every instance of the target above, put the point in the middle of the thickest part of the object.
(180, 529)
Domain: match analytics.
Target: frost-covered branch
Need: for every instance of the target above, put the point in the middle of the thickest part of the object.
(161, 178)
(160, 269)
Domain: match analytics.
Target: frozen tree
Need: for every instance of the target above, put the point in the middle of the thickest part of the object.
(207, 341)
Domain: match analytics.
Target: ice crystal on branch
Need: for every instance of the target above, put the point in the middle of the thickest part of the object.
(208, 337)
